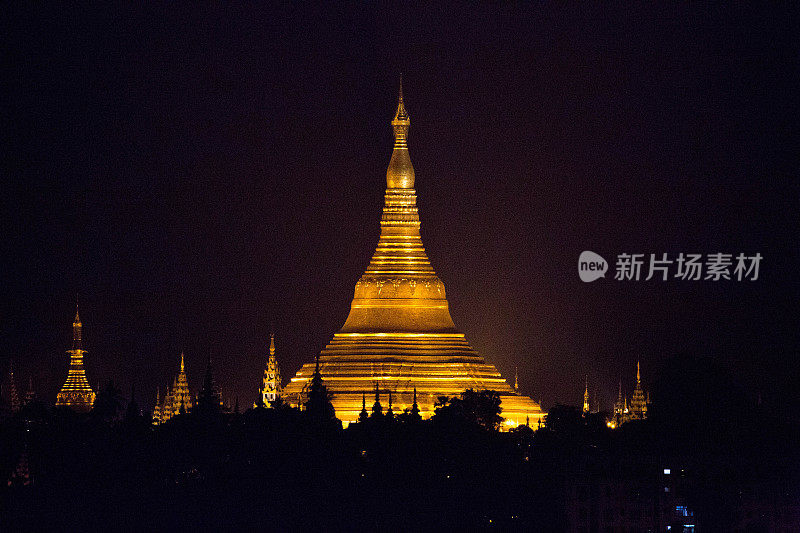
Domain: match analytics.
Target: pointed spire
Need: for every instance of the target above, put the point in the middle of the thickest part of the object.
(400, 174)
(363, 415)
(638, 374)
(414, 407)
(76, 330)
(516, 379)
(182, 368)
(272, 344)
(377, 408)
(586, 396)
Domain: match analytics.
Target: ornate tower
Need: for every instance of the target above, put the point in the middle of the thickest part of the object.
(399, 332)
(76, 392)
(271, 387)
(178, 397)
(181, 397)
(157, 408)
(638, 409)
(586, 397)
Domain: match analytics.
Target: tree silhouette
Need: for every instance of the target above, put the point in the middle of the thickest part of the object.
(477, 407)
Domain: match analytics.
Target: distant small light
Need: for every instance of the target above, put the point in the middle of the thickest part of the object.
(666, 489)
(667, 471)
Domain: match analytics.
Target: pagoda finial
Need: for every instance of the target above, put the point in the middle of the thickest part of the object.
(516, 379)
(77, 316)
(400, 174)
(638, 374)
(272, 344)
(181, 361)
(586, 396)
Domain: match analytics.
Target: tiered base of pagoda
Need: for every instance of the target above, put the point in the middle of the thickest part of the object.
(77, 400)
(436, 364)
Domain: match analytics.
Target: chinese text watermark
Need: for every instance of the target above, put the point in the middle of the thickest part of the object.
(685, 267)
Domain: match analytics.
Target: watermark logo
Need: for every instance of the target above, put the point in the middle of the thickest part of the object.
(591, 266)
(683, 267)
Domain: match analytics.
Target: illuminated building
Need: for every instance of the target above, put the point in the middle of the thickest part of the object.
(271, 387)
(178, 398)
(76, 392)
(638, 409)
(399, 332)
(157, 408)
(586, 398)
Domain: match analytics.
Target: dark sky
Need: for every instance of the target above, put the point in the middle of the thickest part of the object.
(195, 173)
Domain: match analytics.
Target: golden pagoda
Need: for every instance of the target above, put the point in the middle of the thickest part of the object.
(399, 334)
(76, 392)
(638, 402)
(177, 398)
(271, 385)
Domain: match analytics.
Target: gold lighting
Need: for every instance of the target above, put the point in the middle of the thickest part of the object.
(76, 392)
(399, 334)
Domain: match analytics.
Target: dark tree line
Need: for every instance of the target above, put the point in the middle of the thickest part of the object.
(299, 470)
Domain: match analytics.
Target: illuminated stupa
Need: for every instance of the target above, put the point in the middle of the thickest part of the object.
(399, 334)
(76, 392)
(178, 398)
(271, 384)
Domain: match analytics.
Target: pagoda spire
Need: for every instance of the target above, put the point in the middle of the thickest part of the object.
(377, 408)
(638, 402)
(586, 397)
(77, 327)
(414, 407)
(271, 387)
(76, 392)
(400, 174)
(516, 379)
(363, 415)
(157, 408)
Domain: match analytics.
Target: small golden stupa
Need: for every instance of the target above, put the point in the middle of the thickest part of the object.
(399, 335)
(76, 392)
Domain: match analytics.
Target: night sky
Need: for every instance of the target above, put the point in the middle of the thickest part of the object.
(196, 173)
